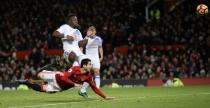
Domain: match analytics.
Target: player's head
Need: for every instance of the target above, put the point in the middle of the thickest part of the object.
(86, 64)
(72, 20)
(92, 30)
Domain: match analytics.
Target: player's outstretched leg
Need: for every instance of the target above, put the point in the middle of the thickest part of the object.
(34, 86)
(97, 77)
(55, 64)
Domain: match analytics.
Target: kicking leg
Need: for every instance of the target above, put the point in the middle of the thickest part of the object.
(55, 64)
(34, 86)
(49, 76)
(69, 58)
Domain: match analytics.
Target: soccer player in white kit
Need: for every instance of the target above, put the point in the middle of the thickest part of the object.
(94, 51)
(70, 37)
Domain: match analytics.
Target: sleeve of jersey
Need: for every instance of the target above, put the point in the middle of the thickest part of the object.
(95, 89)
(80, 35)
(100, 42)
(61, 29)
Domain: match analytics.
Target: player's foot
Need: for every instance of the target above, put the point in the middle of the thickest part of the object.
(85, 95)
(26, 82)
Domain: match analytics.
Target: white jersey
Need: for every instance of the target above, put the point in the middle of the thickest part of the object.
(68, 30)
(92, 46)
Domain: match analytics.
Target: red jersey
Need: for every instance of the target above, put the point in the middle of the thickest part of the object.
(68, 79)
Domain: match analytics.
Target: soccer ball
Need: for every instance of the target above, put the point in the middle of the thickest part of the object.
(202, 9)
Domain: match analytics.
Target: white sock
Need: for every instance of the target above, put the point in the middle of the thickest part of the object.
(84, 87)
(97, 81)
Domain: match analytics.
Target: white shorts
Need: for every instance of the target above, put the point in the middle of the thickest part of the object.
(49, 76)
(95, 61)
(79, 60)
(66, 53)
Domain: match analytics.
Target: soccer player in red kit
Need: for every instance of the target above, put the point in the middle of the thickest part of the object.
(59, 81)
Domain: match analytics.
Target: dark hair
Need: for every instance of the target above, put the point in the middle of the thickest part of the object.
(85, 61)
(92, 28)
(69, 16)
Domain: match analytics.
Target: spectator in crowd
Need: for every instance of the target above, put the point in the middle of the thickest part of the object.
(28, 25)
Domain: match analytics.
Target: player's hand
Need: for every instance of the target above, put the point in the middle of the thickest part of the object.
(89, 33)
(71, 38)
(109, 98)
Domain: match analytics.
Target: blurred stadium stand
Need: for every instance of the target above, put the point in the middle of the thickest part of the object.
(175, 42)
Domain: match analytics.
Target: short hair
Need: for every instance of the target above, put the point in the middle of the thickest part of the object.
(92, 28)
(85, 61)
(69, 16)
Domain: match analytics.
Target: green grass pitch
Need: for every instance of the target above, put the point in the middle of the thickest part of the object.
(138, 97)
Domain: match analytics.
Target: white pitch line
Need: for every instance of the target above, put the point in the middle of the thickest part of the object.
(130, 98)
(43, 105)
(39, 105)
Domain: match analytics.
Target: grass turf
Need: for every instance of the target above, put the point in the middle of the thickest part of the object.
(139, 97)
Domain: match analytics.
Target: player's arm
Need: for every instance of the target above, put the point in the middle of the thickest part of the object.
(101, 52)
(96, 90)
(70, 82)
(83, 43)
(66, 78)
(60, 34)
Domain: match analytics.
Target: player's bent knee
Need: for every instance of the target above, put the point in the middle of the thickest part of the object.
(40, 75)
(72, 57)
(96, 71)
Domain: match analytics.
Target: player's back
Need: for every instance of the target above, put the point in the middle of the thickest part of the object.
(66, 80)
(79, 77)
